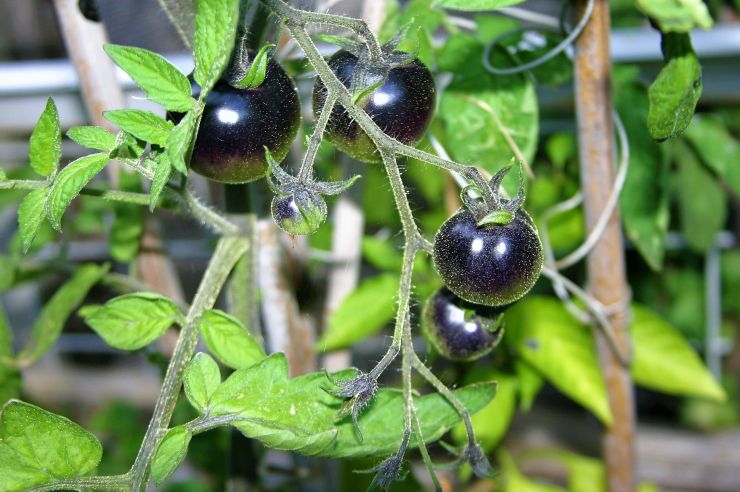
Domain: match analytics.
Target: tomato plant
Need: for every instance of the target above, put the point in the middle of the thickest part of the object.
(470, 269)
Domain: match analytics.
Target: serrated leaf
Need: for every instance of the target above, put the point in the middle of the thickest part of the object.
(162, 82)
(202, 378)
(644, 198)
(677, 15)
(257, 69)
(702, 203)
(31, 216)
(362, 313)
(298, 414)
(663, 359)
(180, 139)
(475, 5)
(128, 222)
(475, 102)
(161, 176)
(541, 331)
(492, 421)
(93, 137)
(143, 125)
(170, 453)
(38, 447)
(69, 183)
(228, 339)
(676, 90)
(50, 322)
(132, 321)
(45, 145)
(215, 29)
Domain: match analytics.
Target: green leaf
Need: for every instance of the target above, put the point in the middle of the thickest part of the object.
(228, 339)
(491, 422)
(69, 183)
(202, 378)
(50, 322)
(128, 222)
(3, 176)
(702, 201)
(162, 82)
(544, 334)
(45, 145)
(10, 376)
(298, 414)
(180, 139)
(170, 453)
(664, 361)
(93, 137)
(257, 69)
(475, 5)
(381, 253)
(215, 29)
(677, 15)
(676, 90)
(362, 313)
(143, 125)
(38, 447)
(530, 383)
(517, 482)
(644, 198)
(718, 149)
(476, 102)
(382, 422)
(132, 321)
(31, 216)
(161, 176)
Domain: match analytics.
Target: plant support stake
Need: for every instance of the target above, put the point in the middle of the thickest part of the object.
(606, 269)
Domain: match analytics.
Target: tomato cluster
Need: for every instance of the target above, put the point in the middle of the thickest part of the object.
(486, 263)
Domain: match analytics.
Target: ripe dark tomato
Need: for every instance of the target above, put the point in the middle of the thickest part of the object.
(299, 213)
(460, 330)
(492, 264)
(237, 125)
(402, 107)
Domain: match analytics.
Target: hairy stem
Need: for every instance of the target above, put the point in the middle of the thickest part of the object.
(228, 251)
(318, 133)
(117, 483)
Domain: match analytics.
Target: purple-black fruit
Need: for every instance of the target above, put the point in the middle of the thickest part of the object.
(299, 213)
(237, 125)
(460, 330)
(402, 107)
(492, 264)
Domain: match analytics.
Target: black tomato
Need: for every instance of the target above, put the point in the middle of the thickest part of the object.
(460, 330)
(237, 125)
(299, 213)
(492, 264)
(402, 107)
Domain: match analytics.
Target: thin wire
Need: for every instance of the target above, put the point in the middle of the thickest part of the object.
(611, 203)
(565, 43)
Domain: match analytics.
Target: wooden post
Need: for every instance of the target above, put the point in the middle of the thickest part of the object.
(606, 268)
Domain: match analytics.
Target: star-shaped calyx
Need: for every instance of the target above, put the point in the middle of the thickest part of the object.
(502, 211)
(298, 207)
(359, 390)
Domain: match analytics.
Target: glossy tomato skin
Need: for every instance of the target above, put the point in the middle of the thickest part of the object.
(460, 330)
(402, 107)
(237, 124)
(491, 265)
